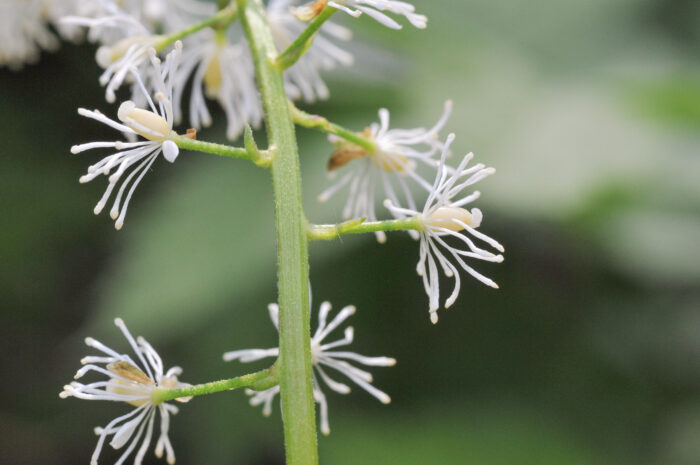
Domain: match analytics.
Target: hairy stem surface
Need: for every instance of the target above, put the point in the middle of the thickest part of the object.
(328, 232)
(260, 380)
(295, 374)
(322, 124)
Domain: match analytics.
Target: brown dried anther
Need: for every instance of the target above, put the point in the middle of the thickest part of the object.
(308, 12)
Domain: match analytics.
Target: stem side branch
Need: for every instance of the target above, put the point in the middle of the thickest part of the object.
(320, 123)
(260, 380)
(328, 232)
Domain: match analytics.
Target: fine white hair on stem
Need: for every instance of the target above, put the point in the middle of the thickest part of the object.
(323, 357)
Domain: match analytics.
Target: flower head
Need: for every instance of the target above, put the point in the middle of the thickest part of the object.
(323, 357)
(443, 216)
(399, 155)
(154, 125)
(133, 382)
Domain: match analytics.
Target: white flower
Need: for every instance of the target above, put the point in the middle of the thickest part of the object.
(162, 15)
(397, 159)
(303, 80)
(55, 10)
(23, 32)
(126, 44)
(443, 217)
(101, 18)
(155, 125)
(222, 71)
(372, 8)
(322, 356)
(172, 16)
(132, 382)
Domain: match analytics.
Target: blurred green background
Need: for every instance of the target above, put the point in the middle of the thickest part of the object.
(589, 353)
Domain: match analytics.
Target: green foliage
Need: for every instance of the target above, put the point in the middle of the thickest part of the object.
(674, 101)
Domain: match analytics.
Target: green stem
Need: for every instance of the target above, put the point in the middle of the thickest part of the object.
(261, 158)
(260, 380)
(220, 20)
(328, 232)
(320, 123)
(302, 43)
(296, 392)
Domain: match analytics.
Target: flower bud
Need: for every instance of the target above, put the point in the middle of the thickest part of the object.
(390, 162)
(452, 217)
(145, 122)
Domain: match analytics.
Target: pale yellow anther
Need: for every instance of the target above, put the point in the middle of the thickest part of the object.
(144, 122)
(123, 388)
(212, 77)
(389, 162)
(451, 217)
(134, 382)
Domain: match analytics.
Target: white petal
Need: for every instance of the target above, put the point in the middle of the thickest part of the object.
(170, 150)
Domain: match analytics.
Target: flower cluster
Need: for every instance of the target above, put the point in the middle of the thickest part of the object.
(399, 156)
(395, 159)
(132, 382)
(208, 59)
(218, 61)
(218, 64)
(323, 357)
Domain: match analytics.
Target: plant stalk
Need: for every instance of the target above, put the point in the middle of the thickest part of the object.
(295, 373)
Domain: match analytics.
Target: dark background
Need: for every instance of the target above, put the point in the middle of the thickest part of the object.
(589, 353)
